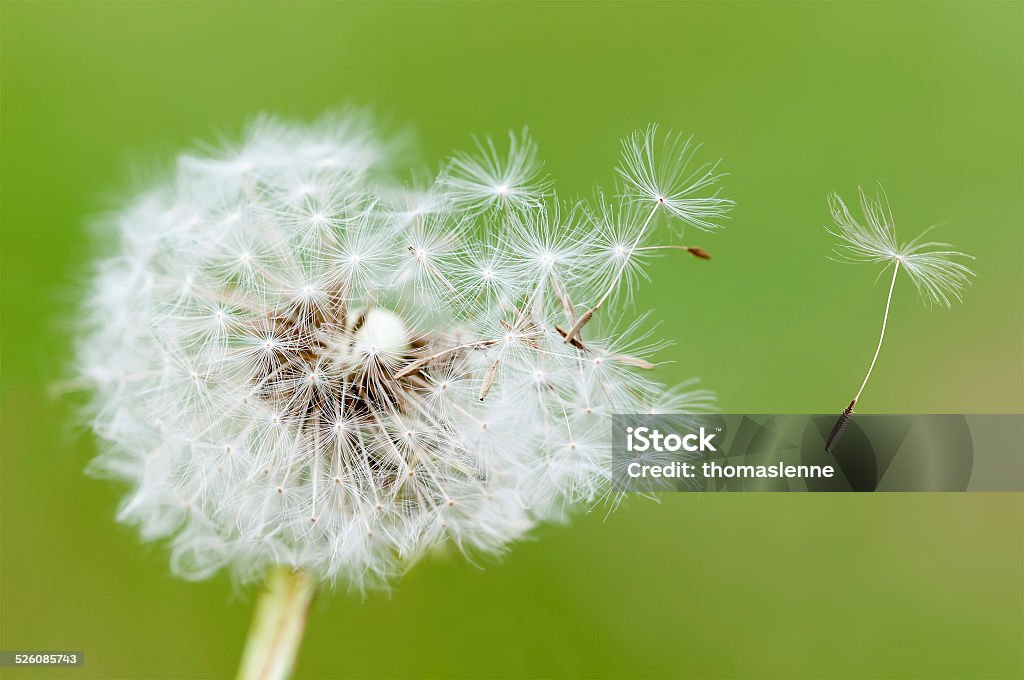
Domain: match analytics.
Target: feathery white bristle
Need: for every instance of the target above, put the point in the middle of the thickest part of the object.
(932, 266)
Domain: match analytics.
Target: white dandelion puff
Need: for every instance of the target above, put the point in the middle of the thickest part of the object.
(931, 266)
(296, 361)
(302, 368)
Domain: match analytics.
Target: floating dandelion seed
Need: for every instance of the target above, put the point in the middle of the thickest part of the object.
(931, 266)
(301, 368)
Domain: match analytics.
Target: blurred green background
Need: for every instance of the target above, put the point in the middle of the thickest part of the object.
(800, 98)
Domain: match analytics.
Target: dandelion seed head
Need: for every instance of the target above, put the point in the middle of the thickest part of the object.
(297, 360)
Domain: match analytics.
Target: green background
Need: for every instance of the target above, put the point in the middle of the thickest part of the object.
(800, 98)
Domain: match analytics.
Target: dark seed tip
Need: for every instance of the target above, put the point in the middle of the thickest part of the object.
(838, 429)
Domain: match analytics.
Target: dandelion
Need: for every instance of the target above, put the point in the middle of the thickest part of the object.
(932, 267)
(304, 369)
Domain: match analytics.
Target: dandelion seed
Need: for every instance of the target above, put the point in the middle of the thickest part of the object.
(662, 175)
(657, 176)
(489, 178)
(931, 266)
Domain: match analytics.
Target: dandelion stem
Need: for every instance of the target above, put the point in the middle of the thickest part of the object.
(885, 320)
(277, 625)
(578, 326)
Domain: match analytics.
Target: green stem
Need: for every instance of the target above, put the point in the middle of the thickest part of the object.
(277, 626)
